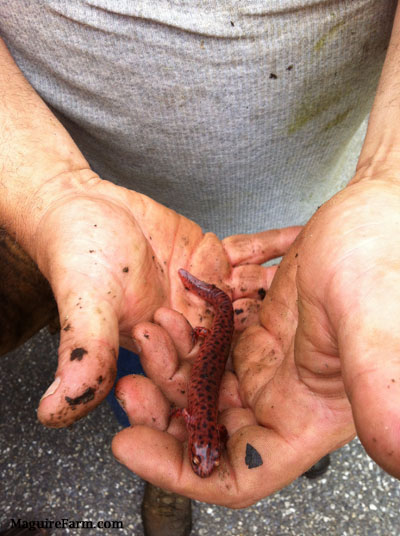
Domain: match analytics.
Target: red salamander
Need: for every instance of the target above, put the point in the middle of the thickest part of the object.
(206, 437)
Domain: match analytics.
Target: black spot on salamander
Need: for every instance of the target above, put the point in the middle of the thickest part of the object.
(239, 311)
(67, 327)
(84, 398)
(273, 76)
(262, 292)
(78, 354)
(253, 458)
(125, 269)
(100, 380)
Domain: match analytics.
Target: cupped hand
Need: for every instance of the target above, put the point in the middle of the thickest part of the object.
(112, 256)
(322, 365)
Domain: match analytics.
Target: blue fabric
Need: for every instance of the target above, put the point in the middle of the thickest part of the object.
(128, 363)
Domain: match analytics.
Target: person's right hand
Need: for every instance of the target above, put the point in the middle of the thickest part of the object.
(112, 256)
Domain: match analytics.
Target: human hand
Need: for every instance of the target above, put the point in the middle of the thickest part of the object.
(112, 256)
(322, 365)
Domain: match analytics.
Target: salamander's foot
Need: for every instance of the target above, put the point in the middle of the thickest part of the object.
(199, 332)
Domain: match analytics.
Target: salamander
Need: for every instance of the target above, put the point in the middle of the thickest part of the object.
(206, 437)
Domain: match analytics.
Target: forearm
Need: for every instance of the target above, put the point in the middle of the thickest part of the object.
(35, 150)
(381, 147)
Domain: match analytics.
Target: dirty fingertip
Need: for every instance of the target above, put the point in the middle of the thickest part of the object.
(143, 401)
(80, 385)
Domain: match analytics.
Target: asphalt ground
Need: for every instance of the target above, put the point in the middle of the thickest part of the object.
(71, 474)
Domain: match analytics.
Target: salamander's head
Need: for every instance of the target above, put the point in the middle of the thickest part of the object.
(205, 452)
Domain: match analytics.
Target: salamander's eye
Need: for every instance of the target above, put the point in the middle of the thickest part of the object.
(196, 460)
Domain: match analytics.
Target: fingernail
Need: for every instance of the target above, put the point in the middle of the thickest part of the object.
(136, 346)
(52, 388)
(120, 402)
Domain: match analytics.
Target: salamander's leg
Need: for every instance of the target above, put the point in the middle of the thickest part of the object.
(201, 331)
(223, 434)
(176, 412)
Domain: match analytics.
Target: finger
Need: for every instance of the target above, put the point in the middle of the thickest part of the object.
(257, 462)
(87, 359)
(178, 327)
(143, 401)
(256, 357)
(159, 360)
(229, 392)
(259, 247)
(369, 345)
(279, 310)
(251, 281)
(92, 279)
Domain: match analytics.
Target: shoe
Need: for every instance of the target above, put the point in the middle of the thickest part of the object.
(319, 468)
(165, 513)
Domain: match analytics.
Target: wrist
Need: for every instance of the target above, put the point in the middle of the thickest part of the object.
(384, 165)
(39, 161)
(380, 154)
(27, 213)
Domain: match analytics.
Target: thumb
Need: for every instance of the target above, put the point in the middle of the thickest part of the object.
(87, 357)
(369, 345)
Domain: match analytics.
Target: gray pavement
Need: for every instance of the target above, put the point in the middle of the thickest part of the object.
(71, 474)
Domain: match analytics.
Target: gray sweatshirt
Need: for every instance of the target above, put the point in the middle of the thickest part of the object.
(240, 114)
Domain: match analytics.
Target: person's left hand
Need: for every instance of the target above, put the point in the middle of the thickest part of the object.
(322, 364)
